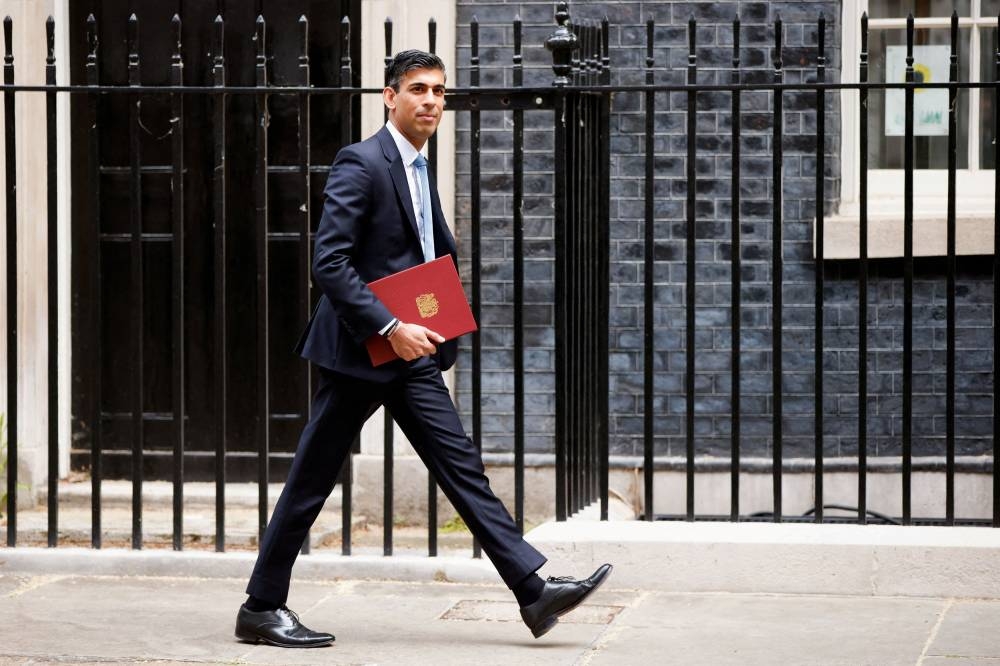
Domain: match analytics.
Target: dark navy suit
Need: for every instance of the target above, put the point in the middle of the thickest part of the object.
(368, 230)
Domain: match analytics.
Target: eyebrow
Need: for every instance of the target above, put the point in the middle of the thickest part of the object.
(421, 84)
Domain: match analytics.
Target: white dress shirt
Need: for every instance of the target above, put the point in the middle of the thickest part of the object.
(408, 154)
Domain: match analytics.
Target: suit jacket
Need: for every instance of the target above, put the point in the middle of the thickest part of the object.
(368, 230)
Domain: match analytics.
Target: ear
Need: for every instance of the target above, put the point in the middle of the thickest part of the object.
(389, 97)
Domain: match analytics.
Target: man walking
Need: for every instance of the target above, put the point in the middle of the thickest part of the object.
(381, 215)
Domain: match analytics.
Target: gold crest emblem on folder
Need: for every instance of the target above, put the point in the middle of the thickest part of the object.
(428, 305)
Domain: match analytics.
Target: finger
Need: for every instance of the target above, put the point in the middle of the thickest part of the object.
(431, 335)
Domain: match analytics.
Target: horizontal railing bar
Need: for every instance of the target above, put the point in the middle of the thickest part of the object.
(497, 100)
(929, 22)
(125, 237)
(281, 168)
(163, 237)
(169, 416)
(286, 236)
(889, 465)
(145, 169)
(169, 453)
(847, 519)
(461, 93)
(963, 464)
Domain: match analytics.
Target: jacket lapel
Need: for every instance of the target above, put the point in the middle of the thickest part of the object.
(439, 221)
(398, 175)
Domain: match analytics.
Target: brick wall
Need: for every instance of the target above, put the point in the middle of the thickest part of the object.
(713, 295)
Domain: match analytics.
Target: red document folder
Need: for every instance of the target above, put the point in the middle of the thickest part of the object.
(428, 294)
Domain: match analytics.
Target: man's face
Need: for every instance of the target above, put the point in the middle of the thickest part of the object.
(416, 109)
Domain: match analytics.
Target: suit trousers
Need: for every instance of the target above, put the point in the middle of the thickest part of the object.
(420, 403)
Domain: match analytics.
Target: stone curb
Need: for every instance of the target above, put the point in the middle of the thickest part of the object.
(202, 564)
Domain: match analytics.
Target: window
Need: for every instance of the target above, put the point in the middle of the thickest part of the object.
(975, 136)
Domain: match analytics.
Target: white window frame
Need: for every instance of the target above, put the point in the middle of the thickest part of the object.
(975, 186)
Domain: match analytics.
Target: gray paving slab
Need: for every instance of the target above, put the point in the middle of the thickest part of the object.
(968, 629)
(10, 583)
(665, 628)
(130, 618)
(90, 619)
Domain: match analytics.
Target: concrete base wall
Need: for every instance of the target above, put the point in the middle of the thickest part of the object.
(973, 495)
(410, 491)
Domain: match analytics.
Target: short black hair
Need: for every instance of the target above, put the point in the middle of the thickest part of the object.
(406, 61)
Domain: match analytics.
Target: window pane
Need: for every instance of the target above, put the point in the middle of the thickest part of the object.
(922, 9)
(886, 116)
(989, 8)
(987, 99)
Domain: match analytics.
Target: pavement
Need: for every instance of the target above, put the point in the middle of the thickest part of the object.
(102, 619)
(682, 593)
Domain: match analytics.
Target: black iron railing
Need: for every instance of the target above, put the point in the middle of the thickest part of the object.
(579, 101)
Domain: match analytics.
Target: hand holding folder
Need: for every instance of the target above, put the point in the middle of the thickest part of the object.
(428, 294)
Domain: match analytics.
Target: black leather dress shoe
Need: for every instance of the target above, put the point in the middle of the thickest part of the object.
(560, 596)
(280, 627)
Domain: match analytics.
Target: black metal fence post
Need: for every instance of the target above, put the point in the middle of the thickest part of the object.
(777, 262)
(562, 42)
(263, 409)
(475, 195)
(388, 434)
(820, 202)
(97, 306)
(604, 279)
(10, 165)
(219, 182)
(863, 280)
(908, 278)
(689, 247)
(649, 258)
(431, 483)
(303, 111)
(518, 233)
(52, 253)
(136, 286)
(735, 277)
(177, 279)
(951, 268)
(996, 286)
(572, 272)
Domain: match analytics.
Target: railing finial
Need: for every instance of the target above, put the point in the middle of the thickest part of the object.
(562, 42)
(736, 44)
(260, 36)
(8, 46)
(304, 40)
(778, 35)
(219, 41)
(692, 42)
(388, 46)
(474, 52)
(50, 38)
(821, 42)
(92, 40)
(175, 24)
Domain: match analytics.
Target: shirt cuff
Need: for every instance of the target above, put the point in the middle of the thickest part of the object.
(384, 329)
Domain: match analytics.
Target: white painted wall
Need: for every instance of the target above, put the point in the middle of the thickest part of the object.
(29, 46)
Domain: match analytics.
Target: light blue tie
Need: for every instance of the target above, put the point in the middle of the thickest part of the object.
(426, 221)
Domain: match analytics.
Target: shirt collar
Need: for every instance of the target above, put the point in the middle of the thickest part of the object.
(406, 150)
